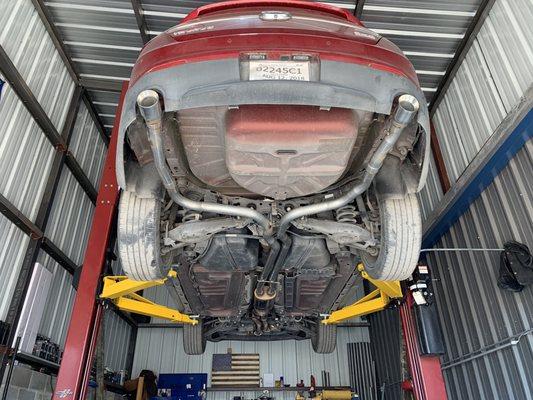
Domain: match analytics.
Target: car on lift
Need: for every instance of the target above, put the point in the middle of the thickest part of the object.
(265, 149)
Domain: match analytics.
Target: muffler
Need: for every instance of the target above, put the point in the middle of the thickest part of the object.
(150, 109)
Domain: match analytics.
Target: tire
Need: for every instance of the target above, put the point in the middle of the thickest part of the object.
(139, 237)
(401, 237)
(324, 339)
(194, 340)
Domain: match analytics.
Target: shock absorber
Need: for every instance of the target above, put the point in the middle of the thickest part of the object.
(346, 214)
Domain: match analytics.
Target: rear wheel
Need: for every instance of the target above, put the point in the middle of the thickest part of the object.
(400, 240)
(194, 340)
(139, 237)
(324, 339)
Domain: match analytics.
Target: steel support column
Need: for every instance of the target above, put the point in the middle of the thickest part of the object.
(426, 376)
(76, 362)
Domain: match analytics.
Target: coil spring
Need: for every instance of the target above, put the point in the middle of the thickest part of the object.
(346, 214)
(191, 215)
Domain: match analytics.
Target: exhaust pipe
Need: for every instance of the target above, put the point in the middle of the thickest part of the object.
(150, 109)
(403, 114)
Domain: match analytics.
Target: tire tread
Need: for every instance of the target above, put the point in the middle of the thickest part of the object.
(138, 237)
(401, 240)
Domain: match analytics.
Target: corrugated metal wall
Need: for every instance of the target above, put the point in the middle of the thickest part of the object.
(70, 223)
(475, 314)
(117, 341)
(496, 72)
(385, 339)
(160, 349)
(431, 195)
(25, 153)
(25, 160)
(480, 321)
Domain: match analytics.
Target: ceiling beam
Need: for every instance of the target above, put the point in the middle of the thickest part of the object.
(103, 85)
(460, 53)
(141, 21)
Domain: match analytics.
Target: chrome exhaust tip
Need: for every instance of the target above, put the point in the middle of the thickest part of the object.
(149, 105)
(408, 106)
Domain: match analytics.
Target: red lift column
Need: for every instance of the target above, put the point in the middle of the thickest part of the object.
(426, 374)
(86, 313)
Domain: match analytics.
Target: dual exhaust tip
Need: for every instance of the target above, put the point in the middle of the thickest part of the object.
(150, 107)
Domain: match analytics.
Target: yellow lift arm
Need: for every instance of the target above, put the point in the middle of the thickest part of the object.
(375, 301)
(122, 291)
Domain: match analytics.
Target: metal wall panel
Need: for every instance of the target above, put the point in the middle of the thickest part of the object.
(431, 194)
(479, 319)
(35, 57)
(160, 349)
(25, 153)
(59, 302)
(70, 218)
(507, 46)
(87, 146)
(489, 83)
(68, 227)
(13, 243)
(70, 223)
(386, 341)
(362, 370)
(117, 340)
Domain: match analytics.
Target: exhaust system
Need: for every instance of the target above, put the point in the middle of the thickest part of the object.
(405, 111)
(403, 114)
(265, 292)
(150, 109)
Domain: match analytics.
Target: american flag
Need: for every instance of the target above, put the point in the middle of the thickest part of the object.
(235, 370)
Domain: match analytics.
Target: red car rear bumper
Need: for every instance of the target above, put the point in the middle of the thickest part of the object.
(225, 30)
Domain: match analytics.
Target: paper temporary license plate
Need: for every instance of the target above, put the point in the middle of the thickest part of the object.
(279, 70)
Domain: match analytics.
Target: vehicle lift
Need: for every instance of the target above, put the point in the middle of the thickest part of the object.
(122, 291)
(72, 381)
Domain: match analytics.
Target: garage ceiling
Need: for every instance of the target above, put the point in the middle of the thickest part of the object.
(103, 37)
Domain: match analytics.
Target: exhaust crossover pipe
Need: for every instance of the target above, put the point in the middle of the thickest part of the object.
(150, 109)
